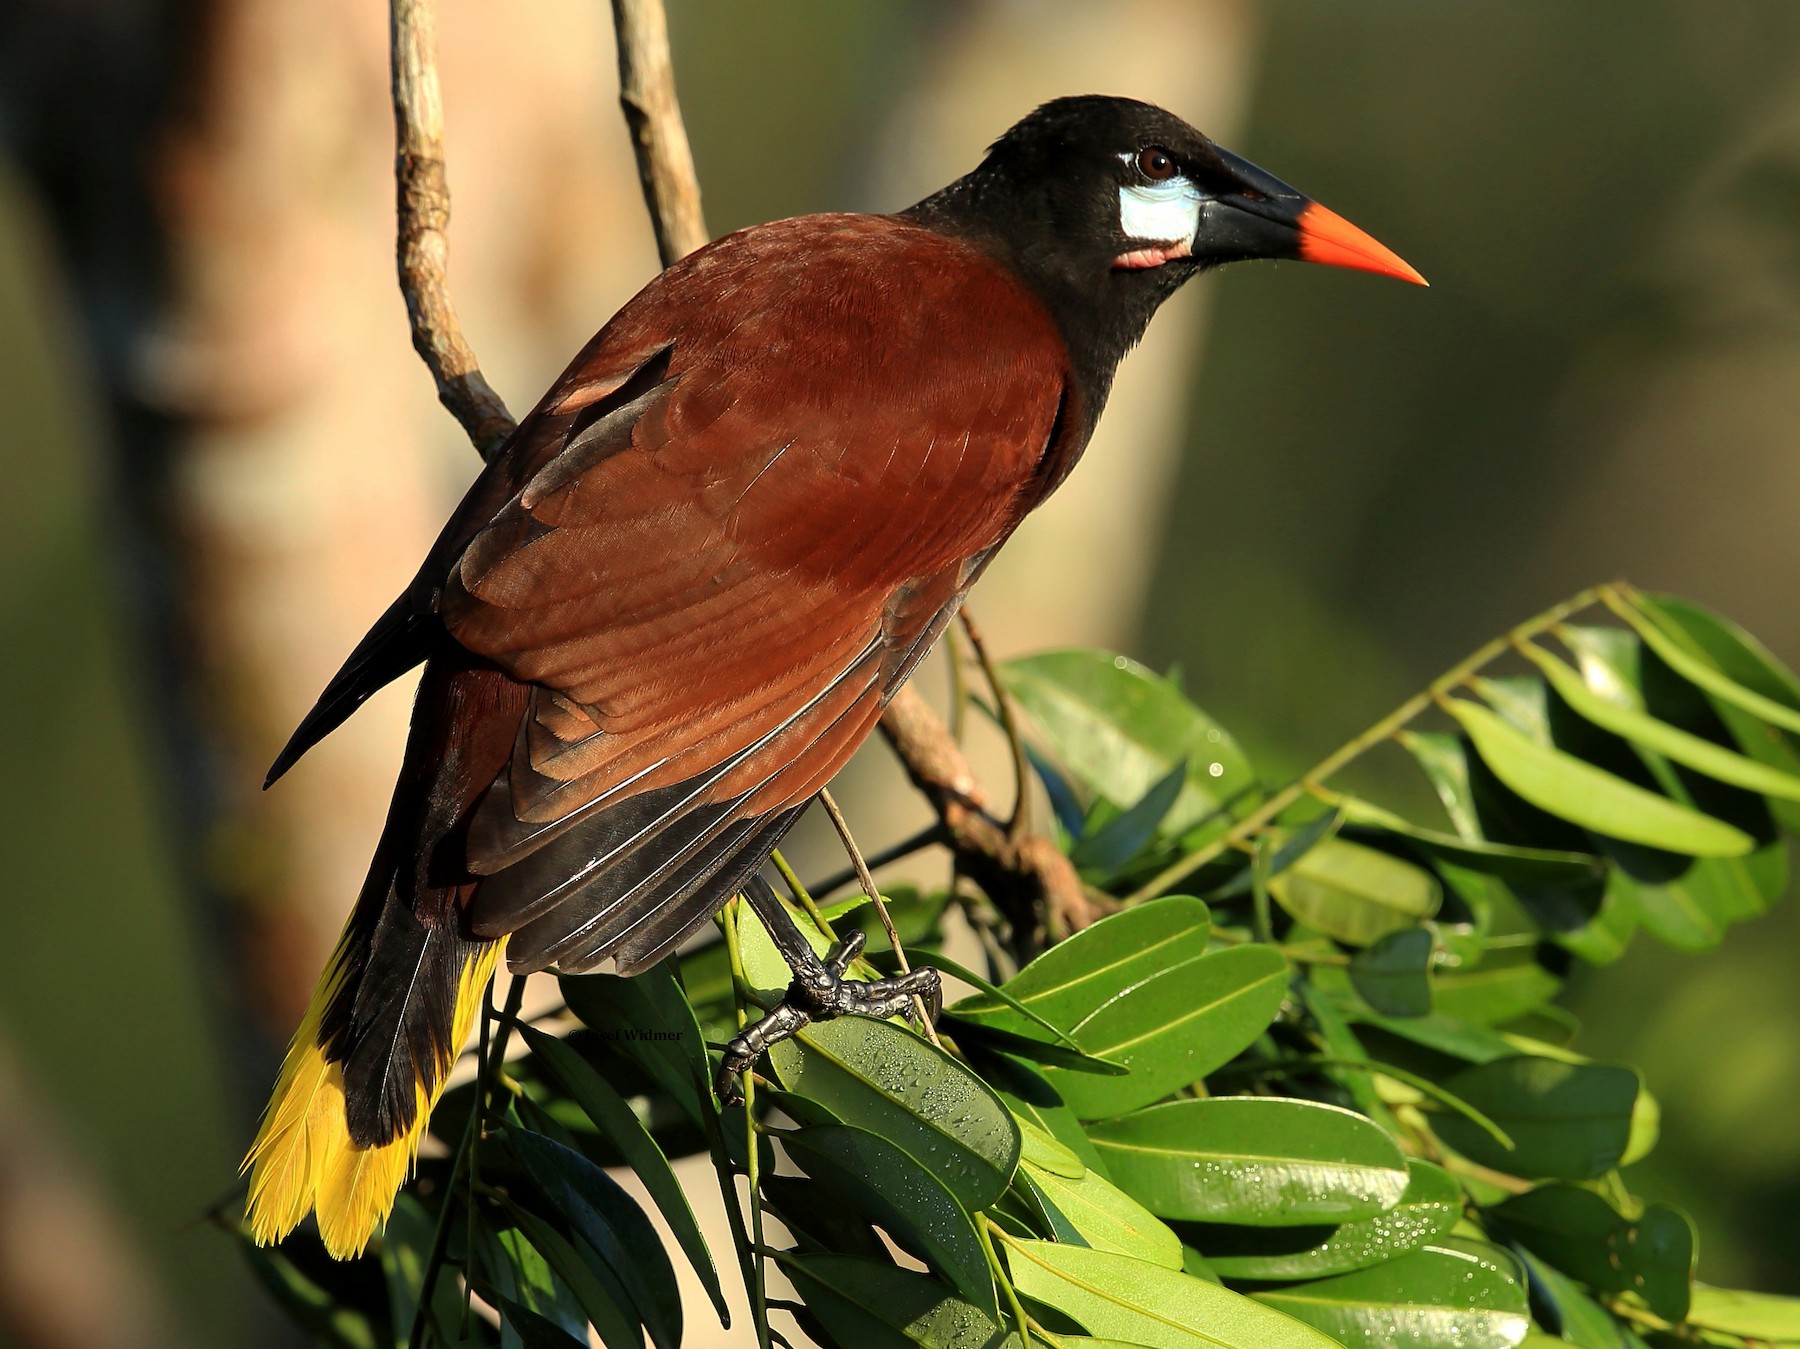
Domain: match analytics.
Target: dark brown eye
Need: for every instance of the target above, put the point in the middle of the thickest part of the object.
(1156, 163)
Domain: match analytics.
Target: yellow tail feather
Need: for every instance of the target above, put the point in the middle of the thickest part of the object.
(303, 1158)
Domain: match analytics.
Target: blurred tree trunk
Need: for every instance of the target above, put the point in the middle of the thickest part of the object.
(282, 462)
(50, 1208)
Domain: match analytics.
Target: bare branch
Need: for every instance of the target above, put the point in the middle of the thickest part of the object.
(653, 114)
(1027, 877)
(424, 215)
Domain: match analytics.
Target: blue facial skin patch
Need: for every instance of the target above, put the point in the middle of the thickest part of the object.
(1165, 212)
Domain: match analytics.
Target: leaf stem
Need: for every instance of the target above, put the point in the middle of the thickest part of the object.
(465, 1154)
(1259, 892)
(984, 1230)
(740, 984)
(802, 896)
(1313, 780)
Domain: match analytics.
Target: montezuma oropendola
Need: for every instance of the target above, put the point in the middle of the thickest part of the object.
(678, 599)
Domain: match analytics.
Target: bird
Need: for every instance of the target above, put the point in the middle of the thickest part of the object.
(679, 597)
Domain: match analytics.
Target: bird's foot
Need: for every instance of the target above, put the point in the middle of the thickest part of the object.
(820, 992)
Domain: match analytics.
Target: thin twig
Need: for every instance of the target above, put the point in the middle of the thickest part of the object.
(658, 137)
(422, 252)
(1019, 823)
(959, 683)
(1030, 881)
(867, 878)
(1433, 694)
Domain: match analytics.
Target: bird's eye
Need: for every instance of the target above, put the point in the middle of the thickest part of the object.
(1156, 163)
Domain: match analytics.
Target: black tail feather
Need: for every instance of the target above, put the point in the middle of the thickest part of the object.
(390, 1023)
(401, 639)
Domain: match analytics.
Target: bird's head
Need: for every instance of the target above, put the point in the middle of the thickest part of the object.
(1107, 205)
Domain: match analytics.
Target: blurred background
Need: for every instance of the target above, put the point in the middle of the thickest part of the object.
(1313, 491)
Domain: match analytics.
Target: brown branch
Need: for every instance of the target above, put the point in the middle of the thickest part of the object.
(1030, 880)
(658, 136)
(424, 215)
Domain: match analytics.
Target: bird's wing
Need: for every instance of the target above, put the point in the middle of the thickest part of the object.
(716, 583)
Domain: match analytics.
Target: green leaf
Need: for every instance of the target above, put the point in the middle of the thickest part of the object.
(508, 1268)
(1748, 662)
(535, 1331)
(1428, 1209)
(1450, 1293)
(1392, 976)
(870, 1305)
(1755, 1316)
(649, 1019)
(1107, 1218)
(1071, 980)
(1705, 675)
(817, 1221)
(882, 1078)
(602, 1297)
(1577, 1318)
(1114, 844)
(1575, 790)
(1174, 1028)
(1660, 1252)
(406, 1241)
(1340, 1042)
(609, 1221)
(1259, 1161)
(1052, 1055)
(1047, 1152)
(1031, 1099)
(1445, 763)
(1737, 654)
(1684, 747)
(619, 1124)
(1506, 984)
(1687, 904)
(997, 994)
(1125, 1299)
(1513, 864)
(1121, 729)
(1601, 934)
(1570, 1121)
(891, 1189)
(1588, 1239)
(1438, 1033)
(1573, 1228)
(1355, 893)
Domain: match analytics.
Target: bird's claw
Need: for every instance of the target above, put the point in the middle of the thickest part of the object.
(820, 992)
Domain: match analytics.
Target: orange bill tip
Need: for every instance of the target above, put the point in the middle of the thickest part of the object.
(1326, 237)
